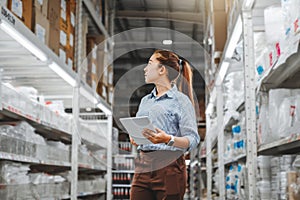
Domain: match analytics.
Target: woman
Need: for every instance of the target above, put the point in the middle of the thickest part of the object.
(160, 172)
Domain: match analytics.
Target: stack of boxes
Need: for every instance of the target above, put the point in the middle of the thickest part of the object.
(99, 72)
(53, 21)
(65, 30)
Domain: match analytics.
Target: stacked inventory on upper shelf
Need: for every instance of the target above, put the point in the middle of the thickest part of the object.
(39, 84)
(96, 67)
(52, 21)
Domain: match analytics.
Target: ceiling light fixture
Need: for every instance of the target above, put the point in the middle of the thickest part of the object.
(62, 73)
(167, 42)
(22, 40)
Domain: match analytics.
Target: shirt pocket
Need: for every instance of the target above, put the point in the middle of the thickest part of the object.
(171, 122)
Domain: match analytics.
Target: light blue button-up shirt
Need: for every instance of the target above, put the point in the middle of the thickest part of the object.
(173, 113)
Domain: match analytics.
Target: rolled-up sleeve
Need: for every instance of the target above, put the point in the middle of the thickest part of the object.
(188, 124)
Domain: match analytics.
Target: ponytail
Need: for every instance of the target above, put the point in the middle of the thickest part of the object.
(185, 84)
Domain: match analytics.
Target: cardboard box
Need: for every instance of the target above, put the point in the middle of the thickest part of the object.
(100, 64)
(54, 17)
(219, 5)
(42, 27)
(220, 30)
(41, 6)
(23, 9)
(54, 13)
(54, 37)
(63, 39)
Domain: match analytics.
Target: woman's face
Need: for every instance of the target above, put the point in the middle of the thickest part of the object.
(152, 70)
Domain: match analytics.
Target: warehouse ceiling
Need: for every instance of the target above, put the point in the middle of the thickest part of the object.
(140, 26)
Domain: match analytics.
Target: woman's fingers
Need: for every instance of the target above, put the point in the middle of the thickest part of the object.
(133, 142)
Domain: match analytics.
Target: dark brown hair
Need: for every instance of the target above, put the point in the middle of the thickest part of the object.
(177, 66)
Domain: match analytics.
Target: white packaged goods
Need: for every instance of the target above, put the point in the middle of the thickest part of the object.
(39, 178)
(261, 55)
(22, 131)
(233, 90)
(264, 135)
(234, 185)
(14, 173)
(274, 24)
(228, 153)
(284, 107)
(275, 98)
(290, 12)
(239, 145)
(24, 100)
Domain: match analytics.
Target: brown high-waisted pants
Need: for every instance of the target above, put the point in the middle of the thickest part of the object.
(159, 175)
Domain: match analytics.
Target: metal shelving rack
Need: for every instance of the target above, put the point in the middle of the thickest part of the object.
(25, 61)
(96, 24)
(284, 74)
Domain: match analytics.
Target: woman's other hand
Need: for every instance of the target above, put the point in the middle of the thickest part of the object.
(157, 137)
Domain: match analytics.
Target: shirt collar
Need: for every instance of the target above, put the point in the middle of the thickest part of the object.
(170, 93)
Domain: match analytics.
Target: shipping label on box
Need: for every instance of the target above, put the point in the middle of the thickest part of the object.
(40, 32)
(63, 38)
(42, 27)
(71, 40)
(62, 55)
(17, 7)
(70, 63)
(72, 19)
(3, 3)
(63, 5)
(63, 15)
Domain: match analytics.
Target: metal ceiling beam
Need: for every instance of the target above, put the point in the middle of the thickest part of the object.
(186, 17)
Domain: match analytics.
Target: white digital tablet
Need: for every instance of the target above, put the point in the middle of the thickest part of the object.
(135, 125)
